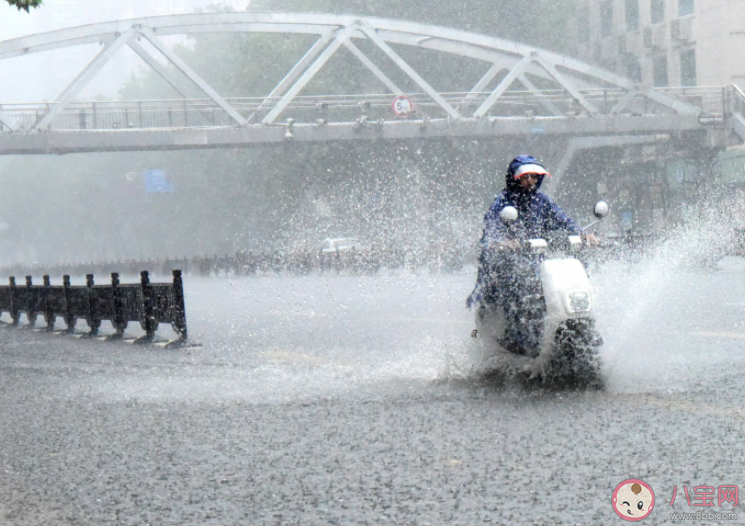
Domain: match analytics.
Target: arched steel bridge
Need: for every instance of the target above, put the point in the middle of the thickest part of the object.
(575, 99)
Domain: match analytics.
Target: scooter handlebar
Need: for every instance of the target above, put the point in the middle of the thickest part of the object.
(568, 242)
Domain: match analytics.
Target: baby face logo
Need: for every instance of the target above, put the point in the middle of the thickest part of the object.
(633, 500)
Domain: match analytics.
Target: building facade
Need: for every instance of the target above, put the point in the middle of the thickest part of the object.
(664, 43)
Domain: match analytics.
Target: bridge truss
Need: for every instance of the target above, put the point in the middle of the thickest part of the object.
(574, 99)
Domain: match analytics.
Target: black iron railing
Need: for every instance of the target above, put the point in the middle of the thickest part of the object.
(150, 304)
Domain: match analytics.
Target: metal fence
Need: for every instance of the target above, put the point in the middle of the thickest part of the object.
(150, 304)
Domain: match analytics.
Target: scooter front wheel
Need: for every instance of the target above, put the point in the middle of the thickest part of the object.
(576, 361)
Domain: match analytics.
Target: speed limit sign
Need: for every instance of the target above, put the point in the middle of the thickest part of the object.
(402, 106)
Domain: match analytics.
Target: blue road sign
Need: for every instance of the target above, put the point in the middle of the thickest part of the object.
(156, 182)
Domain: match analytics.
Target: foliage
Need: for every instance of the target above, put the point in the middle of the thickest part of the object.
(25, 5)
(541, 23)
(410, 195)
(246, 65)
(300, 193)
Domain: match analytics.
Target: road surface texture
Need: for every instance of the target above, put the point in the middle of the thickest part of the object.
(358, 400)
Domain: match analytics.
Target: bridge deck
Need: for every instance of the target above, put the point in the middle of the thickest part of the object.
(574, 98)
(60, 142)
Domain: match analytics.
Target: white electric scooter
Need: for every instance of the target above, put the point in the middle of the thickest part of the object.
(567, 355)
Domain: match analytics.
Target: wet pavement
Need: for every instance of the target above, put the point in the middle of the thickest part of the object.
(358, 400)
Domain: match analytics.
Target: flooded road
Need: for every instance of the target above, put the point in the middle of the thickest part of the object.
(360, 400)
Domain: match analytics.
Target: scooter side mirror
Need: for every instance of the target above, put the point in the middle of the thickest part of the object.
(601, 209)
(508, 214)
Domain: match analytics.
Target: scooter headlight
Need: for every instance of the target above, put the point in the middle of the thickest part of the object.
(578, 301)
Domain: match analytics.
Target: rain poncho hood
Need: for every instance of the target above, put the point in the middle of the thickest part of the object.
(516, 167)
(537, 215)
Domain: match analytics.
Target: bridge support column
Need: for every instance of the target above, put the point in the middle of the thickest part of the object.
(587, 143)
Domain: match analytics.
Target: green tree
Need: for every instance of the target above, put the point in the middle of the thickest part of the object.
(426, 191)
(541, 23)
(410, 195)
(250, 65)
(25, 5)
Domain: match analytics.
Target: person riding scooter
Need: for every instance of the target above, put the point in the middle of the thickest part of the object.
(507, 278)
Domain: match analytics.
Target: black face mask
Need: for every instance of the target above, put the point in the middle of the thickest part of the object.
(514, 186)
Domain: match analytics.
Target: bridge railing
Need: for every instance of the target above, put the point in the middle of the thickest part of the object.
(190, 113)
(738, 100)
(711, 100)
